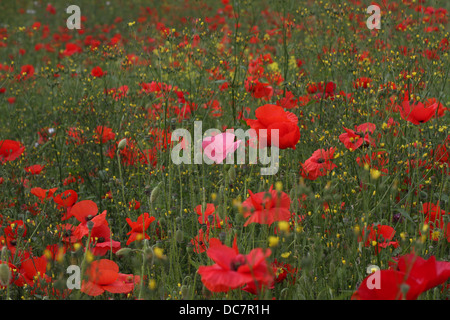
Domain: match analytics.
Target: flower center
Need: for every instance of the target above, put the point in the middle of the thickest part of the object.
(238, 261)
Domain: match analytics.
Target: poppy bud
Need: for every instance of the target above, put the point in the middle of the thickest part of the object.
(232, 173)
(155, 193)
(149, 254)
(179, 235)
(123, 252)
(185, 292)
(122, 144)
(5, 274)
(4, 253)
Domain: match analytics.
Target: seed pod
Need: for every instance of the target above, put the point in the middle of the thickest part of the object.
(90, 224)
(5, 274)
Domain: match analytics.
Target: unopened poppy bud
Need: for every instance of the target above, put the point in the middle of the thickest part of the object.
(155, 193)
(122, 144)
(232, 173)
(5, 274)
(185, 294)
(148, 254)
(4, 254)
(179, 236)
(123, 252)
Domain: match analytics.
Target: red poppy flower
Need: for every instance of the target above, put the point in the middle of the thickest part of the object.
(272, 117)
(288, 102)
(134, 204)
(417, 112)
(75, 136)
(284, 271)
(208, 217)
(51, 9)
(71, 49)
(43, 194)
(15, 229)
(34, 169)
(324, 90)
(65, 200)
(258, 90)
(118, 93)
(84, 211)
(378, 236)
(101, 241)
(67, 233)
(434, 218)
(10, 150)
(354, 139)
(32, 269)
(410, 273)
(391, 287)
(200, 241)
(319, 164)
(428, 273)
(378, 160)
(233, 270)
(104, 134)
(138, 228)
(97, 72)
(362, 82)
(440, 109)
(26, 72)
(267, 207)
(103, 275)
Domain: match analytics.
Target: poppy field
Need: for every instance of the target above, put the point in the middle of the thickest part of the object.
(109, 189)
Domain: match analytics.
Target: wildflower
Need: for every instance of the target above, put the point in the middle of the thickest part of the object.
(267, 207)
(272, 117)
(233, 270)
(360, 136)
(10, 150)
(319, 164)
(103, 275)
(138, 228)
(417, 112)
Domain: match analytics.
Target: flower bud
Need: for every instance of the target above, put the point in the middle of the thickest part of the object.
(232, 173)
(155, 193)
(123, 252)
(5, 274)
(185, 292)
(179, 236)
(122, 144)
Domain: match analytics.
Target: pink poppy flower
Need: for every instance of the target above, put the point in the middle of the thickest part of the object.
(219, 146)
